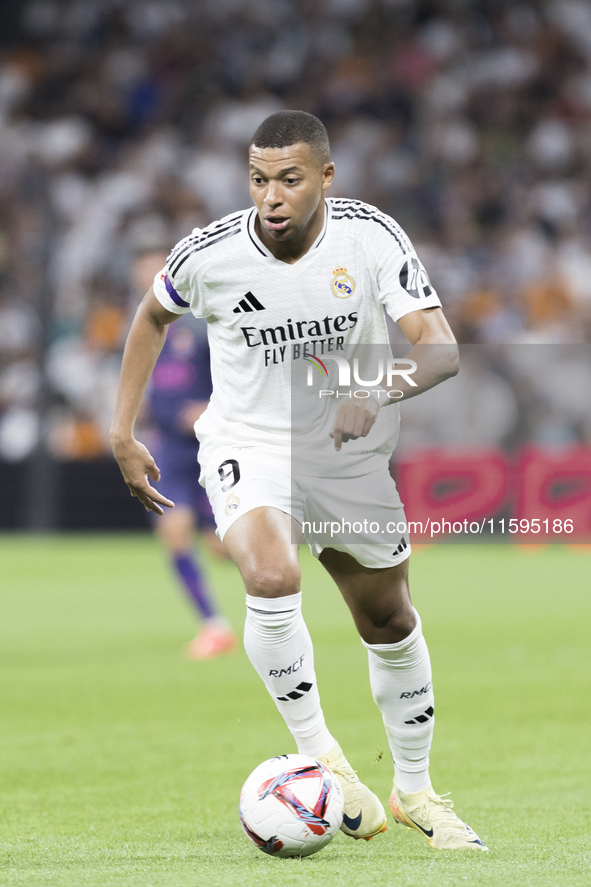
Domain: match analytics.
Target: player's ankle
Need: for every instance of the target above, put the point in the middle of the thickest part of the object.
(412, 783)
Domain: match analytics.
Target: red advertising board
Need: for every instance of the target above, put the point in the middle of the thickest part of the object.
(554, 486)
(537, 495)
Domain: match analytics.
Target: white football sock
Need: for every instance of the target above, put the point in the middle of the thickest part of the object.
(400, 678)
(279, 646)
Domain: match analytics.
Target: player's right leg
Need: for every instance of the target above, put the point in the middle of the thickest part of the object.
(276, 638)
(278, 645)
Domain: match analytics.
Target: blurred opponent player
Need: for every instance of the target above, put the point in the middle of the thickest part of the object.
(178, 395)
(301, 276)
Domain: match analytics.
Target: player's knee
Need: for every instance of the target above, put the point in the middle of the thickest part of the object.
(390, 625)
(273, 581)
(402, 623)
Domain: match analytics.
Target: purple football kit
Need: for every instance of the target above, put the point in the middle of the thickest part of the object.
(181, 375)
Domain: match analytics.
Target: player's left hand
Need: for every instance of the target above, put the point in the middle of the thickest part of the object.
(354, 418)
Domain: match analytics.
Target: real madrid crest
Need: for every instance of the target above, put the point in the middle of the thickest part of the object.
(232, 503)
(342, 284)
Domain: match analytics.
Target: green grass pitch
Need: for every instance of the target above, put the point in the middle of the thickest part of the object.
(121, 763)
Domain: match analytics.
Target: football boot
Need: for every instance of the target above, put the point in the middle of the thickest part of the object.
(214, 639)
(364, 815)
(433, 817)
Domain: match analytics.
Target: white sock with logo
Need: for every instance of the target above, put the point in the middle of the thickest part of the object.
(400, 678)
(279, 646)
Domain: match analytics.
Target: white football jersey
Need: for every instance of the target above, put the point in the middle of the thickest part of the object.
(267, 318)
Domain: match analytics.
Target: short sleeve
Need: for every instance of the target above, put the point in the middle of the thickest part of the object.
(176, 299)
(176, 286)
(403, 282)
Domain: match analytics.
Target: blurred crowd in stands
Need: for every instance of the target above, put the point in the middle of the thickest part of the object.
(125, 123)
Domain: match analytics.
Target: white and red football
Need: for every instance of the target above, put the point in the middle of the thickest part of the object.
(291, 805)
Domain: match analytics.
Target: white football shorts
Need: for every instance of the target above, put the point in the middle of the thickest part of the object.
(360, 514)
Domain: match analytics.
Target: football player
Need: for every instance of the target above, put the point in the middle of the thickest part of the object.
(297, 279)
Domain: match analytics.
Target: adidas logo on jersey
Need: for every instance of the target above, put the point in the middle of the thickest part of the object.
(401, 547)
(248, 303)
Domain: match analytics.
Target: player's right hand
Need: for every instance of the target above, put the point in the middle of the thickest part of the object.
(137, 466)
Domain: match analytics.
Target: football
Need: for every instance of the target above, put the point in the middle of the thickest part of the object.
(291, 805)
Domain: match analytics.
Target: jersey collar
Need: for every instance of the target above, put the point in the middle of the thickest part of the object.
(262, 249)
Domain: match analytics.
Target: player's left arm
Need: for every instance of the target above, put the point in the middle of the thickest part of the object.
(432, 359)
(435, 352)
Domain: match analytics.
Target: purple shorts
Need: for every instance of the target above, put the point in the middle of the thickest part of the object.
(179, 469)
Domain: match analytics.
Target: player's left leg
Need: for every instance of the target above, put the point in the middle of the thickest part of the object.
(399, 665)
(401, 683)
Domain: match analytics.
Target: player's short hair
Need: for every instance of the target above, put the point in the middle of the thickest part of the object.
(287, 128)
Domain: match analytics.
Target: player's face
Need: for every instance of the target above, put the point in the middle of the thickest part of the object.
(287, 186)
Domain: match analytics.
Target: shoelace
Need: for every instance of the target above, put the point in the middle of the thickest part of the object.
(345, 770)
(442, 812)
(349, 776)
